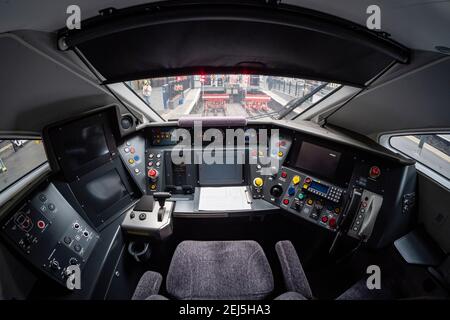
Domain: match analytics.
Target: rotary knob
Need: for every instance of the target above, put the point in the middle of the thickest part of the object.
(276, 191)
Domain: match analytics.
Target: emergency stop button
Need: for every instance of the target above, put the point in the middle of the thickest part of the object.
(152, 174)
(258, 182)
(374, 172)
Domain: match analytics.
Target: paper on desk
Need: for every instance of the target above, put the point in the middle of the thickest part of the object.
(223, 199)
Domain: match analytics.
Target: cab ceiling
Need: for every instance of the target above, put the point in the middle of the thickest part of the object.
(415, 99)
(41, 85)
(417, 24)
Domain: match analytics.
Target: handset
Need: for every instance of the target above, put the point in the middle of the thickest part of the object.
(348, 215)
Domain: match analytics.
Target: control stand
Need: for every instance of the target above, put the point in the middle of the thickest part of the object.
(149, 220)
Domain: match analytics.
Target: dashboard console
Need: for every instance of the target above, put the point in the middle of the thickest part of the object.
(98, 176)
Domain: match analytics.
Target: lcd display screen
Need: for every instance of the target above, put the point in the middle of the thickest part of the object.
(319, 187)
(82, 145)
(318, 160)
(104, 191)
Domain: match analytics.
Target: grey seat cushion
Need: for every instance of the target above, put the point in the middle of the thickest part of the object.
(219, 270)
(290, 296)
(148, 285)
(293, 273)
(156, 297)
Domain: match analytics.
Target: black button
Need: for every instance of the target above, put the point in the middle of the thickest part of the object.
(77, 248)
(67, 240)
(132, 215)
(43, 197)
(51, 206)
(142, 216)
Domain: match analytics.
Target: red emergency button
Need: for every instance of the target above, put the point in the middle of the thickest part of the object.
(152, 173)
(374, 172)
(283, 174)
(286, 201)
(324, 219)
(41, 224)
(332, 223)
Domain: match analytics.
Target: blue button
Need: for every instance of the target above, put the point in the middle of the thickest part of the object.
(291, 191)
(136, 158)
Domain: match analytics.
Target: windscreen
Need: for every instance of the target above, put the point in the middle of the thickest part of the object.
(249, 96)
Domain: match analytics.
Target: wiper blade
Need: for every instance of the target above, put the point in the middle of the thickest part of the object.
(298, 102)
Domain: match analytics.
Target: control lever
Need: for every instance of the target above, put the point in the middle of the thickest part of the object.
(348, 215)
(161, 197)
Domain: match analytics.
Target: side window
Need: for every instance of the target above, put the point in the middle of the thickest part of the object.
(18, 158)
(431, 150)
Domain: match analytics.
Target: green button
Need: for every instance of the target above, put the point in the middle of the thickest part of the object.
(301, 196)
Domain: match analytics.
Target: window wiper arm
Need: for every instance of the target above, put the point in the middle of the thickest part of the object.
(301, 100)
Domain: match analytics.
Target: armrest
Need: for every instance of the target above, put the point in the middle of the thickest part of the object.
(148, 285)
(294, 276)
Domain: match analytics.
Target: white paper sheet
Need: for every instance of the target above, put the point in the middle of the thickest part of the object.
(223, 199)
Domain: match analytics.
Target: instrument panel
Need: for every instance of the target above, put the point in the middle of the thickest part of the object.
(51, 234)
(309, 178)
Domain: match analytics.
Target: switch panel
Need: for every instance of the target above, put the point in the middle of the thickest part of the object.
(50, 234)
(366, 216)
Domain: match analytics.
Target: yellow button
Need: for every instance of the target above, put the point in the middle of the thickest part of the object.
(280, 154)
(305, 186)
(258, 182)
(296, 180)
(131, 161)
(309, 201)
(337, 210)
(153, 186)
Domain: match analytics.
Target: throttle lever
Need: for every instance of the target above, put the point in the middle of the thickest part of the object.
(161, 198)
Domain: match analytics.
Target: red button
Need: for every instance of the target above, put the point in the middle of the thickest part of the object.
(283, 174)
(324, 219)
(41, 224)
(332, 223)
(286, 201)
(152, 173)
(374, 172)
(132, 150)
(308, 180)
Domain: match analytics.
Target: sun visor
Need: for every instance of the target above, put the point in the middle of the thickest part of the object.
(187, 38)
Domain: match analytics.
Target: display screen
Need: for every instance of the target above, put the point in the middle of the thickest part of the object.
(105, 191)
(82, 145)
(319, 187)
(220, 174)
(318, 160)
